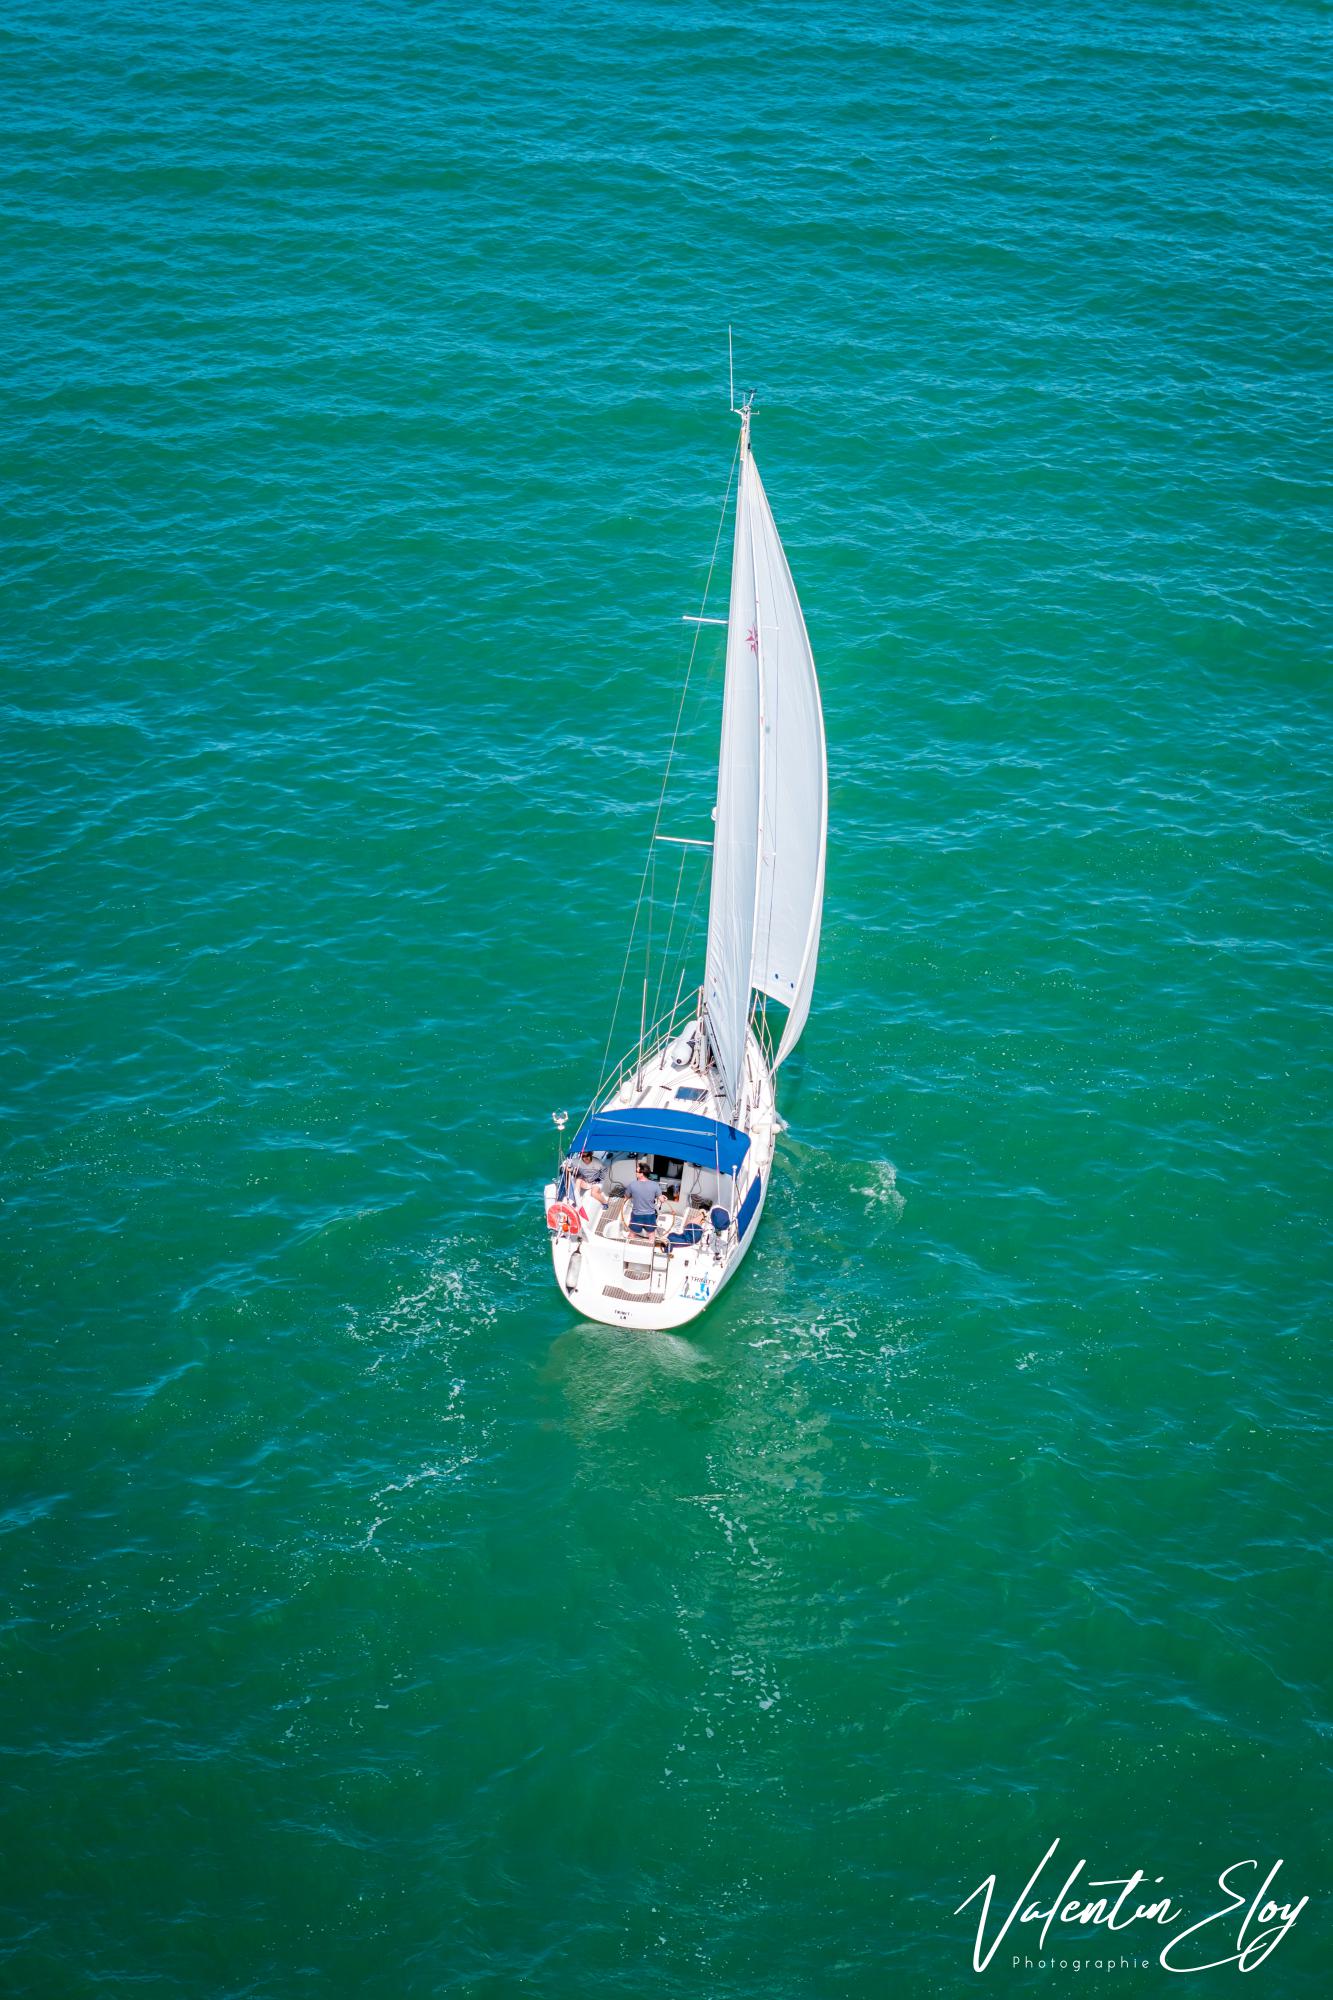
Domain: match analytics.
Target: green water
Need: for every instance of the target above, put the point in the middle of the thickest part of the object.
(374, 1626)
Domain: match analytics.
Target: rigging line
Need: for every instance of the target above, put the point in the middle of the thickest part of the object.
(666, 948)
(661, 797)
(686, 935)
(648, 950)
(681, 961)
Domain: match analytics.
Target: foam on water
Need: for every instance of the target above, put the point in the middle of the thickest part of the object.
(883, 1190)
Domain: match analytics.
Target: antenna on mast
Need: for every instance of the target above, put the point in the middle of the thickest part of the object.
(741, 410)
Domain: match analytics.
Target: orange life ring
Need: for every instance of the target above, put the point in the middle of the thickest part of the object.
(562, 1220)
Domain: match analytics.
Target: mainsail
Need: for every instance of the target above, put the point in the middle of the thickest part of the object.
(736, 821)
(772, 789)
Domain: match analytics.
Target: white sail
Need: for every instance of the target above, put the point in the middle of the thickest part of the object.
(793, 782)
(731, 909)
(772, 797)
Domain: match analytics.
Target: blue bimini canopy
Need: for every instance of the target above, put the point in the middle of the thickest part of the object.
(675, 1135)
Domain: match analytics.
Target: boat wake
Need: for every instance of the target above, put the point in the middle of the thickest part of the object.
(883, 1190)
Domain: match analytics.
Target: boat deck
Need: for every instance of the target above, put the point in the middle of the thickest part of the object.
(642, 1281)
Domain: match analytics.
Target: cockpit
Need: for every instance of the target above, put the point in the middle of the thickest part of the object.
(685, 1197)
(661, 1180)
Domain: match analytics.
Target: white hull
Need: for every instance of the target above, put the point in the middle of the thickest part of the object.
(652, 1285)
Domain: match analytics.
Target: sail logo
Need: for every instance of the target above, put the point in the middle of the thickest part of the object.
(1222, 1936)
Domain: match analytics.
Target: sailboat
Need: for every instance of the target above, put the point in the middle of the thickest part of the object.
(660, 1193)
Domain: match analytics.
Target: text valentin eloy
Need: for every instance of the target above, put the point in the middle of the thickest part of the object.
(1250, 1923)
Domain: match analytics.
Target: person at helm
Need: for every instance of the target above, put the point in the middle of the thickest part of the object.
(643, 1199)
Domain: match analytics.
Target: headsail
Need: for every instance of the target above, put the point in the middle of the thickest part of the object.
(768, 852)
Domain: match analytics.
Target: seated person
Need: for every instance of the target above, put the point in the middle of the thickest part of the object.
(587, 1170)
(643, 1203)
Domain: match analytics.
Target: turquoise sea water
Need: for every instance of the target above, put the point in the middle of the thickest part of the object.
(374, 1626)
